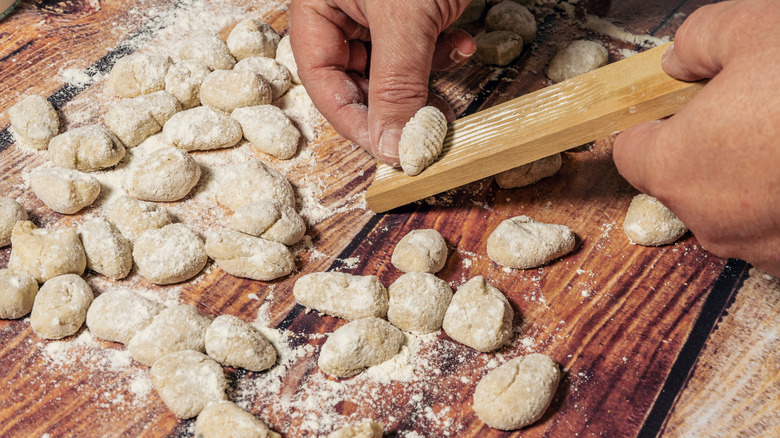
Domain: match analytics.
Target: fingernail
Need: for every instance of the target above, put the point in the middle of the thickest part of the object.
(667, 53)
(388, 146)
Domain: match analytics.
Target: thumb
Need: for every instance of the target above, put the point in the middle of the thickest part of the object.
(634, 153)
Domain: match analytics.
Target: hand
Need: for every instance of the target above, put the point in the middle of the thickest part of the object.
(716, 163)
(332, 39)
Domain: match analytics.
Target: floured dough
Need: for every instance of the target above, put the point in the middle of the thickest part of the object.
(343, 295)
(34, 122)
(418, 302)
(87, 149)
(133, 216)
(162, 175)
(61, 306)
(285, 57)
(512, 17)
(233, 342)
(498, 48)
(252, 38)
(422, 139)
(529, 173)
(11, 212)
(226, 420)
(209, 49)
(248, 256)
(134, 120)
(420, 251)
(183, 81)
(230, 89)
(119, 314)
(269, 220)
(65, 191)
(188, 381)
(171, 254)
(269, 129)
(298, 106)
(175, 328)
(46, 253)
(277, 75)
(369, 429)
(523, 243)
(137, 74)
(577, 58)
(108, 251)
(253, 181)
(202, 128)
(358, 345)
(17, 293)
(649, 223)
(479, 316)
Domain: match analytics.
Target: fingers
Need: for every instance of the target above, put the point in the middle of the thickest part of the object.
(698, 51)
(633, 153)
(453, 49)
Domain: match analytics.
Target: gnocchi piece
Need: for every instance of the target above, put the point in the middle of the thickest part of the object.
(530, 173)
(230, 89)
(253, 181)
(523, 243)
(183, 81)
(252, 38)
(284, 56)
(225, 419)
(298, 106)
(421, 140)
(420, 251)
(162, 175)
(577, 58)
(418, 302)
(171, 254)
(518, 392)
(108, 251)
(472, 13)
(133, 217)
(512, 17)
(188, 381)
(277, 75)
(479, 316)
(498, 48)
(87, 149)
(369, 429)
(175, 328)
(60, 306)
(11, 212)
(17, 294)
(209, 49)
(45, 253)
(359, 344)
(649, 223)
(342, 295)
(134, 120)
(202, 128)
(248, 256)
(63, 190)
(269, 130)
(34, 122)
(117, 315)
(233, 342)
(137, 74)
(269, 220)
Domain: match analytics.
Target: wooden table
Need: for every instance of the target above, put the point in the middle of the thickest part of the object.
(670, 340)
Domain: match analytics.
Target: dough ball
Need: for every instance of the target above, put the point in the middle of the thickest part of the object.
(63, 190)
(119, 314)
(529, 173)
(422, 139)
(175, 328)
(233, 342)
(649, 223)
(133, 217)
(226, 420)
(202, 128)
(171, 254)
(231, 89)
(188, 381)
(137, 74)
(512, 17)
(269, 220)
(369, 429)
(420, 251)
(60, 306)
(87, 149)
(518, 392)
(343, 295)
(285, 57)
(134, 120)
(183, 81)
(252, 38)
(162, 175)
(479, 316)
(269, 129)
(45, 253)
(358, 345)
(523, 243)
(209, 49)
(277, 75)
(11, 212)
(577, 58)
(248, 256)
(108, 251)
(418, 302)
(253, 181)
(34, 122)
(298, 106)
(472, 13)
(17, 293)
(498, 48)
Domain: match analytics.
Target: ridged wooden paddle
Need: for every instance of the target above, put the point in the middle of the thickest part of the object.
(540, 124)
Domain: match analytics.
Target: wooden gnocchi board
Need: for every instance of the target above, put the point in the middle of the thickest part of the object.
(640, 332)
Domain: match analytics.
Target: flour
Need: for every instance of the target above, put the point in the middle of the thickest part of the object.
(605, 27)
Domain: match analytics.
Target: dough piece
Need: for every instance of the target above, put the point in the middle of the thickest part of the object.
(369, 429)
(343, 295)
(134, 120)
(63, 190)
(162, 175)
(209, 49)
(479, 316)
(530, 173)
(45, 253)
(472, 13)
(298, 106)
(226, 420)
(34, 122)
(202, 128)
(277, 75)
(231, 89)
(269, 220)
(119, 314)
(285, 57)
(358, 345)
(649, 223)
(421, 140)
(253, 181)
(171, 254)
(108, 251)
(512, 17)
(11, 212)
(518, 392)
(418, 302)
(420, 251)
(61, 306)
(498, 48)
(87, 149)
(269, 129)
(134, 217)
(523, 243)
(577, 58)
(137, 74)
(233, 342)
(183, 81)
(175, 328)
(188, 381)
(17, 294)
(253, 38)
(248, 256)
